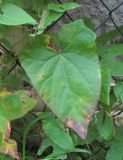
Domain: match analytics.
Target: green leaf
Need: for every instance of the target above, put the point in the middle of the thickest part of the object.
(105, 125)
(67, 78)
(113, 58)
(62, 7)
(105, 88)
(48, 143)
(14, 15)
(12, 106)
(116, 146)
(58, 153)
(54, 130)
(118, 91)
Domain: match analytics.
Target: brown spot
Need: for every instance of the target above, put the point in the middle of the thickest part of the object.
(80, 128)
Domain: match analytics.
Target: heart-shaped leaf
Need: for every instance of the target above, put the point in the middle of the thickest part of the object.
(67, 78)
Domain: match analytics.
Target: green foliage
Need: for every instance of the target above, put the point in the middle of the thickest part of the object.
(13, 15)
(70, 74)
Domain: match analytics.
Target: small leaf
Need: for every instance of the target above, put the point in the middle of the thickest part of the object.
(62, 7)
(67, 78)
(14, 15)
(105, 89)
(57, 151)
(105, 125)
(48, 143)
(54, 130)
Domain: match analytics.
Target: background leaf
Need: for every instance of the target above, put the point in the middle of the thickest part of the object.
(113, 58)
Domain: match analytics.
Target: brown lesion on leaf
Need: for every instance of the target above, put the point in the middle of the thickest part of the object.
(9, 146)
(81, 128)
(78, 128)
